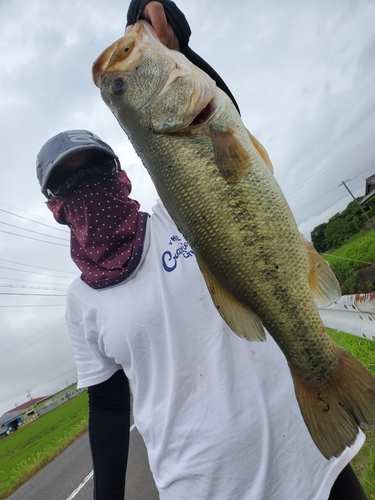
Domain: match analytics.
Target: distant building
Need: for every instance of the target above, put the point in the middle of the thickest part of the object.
(369, 189)
(19, 416)
(28, 412)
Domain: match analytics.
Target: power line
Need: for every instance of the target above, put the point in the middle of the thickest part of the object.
(331, 190)
(34, 221)
(31, 343)
(34, 294)
(35, 239)
(360, 173)
(307, 185)
(315, 199)
(354, 198)
(33, 335)
(28, 287)
(30, 213)
(38, 305)
(33, 281)
(31, 231)
(33, 272)
(327, 169)
(38, 267)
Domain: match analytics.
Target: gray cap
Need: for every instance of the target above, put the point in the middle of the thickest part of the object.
(64, 145)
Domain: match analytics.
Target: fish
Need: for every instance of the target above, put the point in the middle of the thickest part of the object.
(217, 183)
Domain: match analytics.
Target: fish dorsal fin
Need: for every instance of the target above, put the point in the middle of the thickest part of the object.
(262, 151)
(323, 283)
(231, 157)
(239, 317)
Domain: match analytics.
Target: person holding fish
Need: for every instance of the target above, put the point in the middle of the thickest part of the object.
(218, 414)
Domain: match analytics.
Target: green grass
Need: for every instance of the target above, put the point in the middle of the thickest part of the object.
(359, 252)
(30, 448)
(364, 462)
(360, 249)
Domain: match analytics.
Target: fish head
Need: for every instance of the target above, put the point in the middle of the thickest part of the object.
(147, 86)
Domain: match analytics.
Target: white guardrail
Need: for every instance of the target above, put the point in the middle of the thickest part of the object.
(353, 314)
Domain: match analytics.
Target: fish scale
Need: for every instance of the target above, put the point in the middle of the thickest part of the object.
(178, 185)
(217, 183)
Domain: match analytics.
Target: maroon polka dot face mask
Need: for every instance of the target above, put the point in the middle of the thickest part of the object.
(107, 228)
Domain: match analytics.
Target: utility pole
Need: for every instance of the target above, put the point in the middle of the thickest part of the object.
(66, 390)
(31, 399)
(359, 206)
(17, 409)
(19, 414)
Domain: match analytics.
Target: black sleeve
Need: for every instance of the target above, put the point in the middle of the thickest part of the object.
(347, 486)
(109, 422)
(182, 29)
(174, 16)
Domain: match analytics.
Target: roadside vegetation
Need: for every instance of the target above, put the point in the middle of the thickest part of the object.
(358, 253)
(342, 226)
(349, 249)
(364, 462)
(30, 448)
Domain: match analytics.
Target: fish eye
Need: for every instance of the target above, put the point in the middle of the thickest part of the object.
(118, 86)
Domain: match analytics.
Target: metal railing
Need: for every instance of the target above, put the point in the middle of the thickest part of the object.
(353, 314)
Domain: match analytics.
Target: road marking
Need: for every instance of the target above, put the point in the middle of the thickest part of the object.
(87, 478)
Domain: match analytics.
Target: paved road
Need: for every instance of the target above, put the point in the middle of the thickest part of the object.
(69, 476)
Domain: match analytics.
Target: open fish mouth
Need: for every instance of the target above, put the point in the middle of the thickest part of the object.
(101, 63)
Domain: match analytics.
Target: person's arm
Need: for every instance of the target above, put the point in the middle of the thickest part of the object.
(146, 9)
(109, 422)
(109, 402)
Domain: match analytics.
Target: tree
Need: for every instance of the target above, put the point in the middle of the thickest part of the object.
(339, 228)
(318, 238)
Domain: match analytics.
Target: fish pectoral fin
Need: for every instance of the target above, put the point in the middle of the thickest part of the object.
(323, 282)
(335, 409)
(231, 157)
(238, 316)
(262, 151)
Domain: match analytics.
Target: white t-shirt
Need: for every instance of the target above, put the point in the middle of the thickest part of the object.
(217, 413)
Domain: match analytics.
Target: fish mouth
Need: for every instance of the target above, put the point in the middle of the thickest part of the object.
(204, 115)
(102, 62)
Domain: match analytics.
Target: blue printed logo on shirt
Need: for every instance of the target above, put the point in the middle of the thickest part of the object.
(181, 249)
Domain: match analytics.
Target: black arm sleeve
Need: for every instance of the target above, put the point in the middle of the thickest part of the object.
(182, 29)
(347, 486)
(109, 422)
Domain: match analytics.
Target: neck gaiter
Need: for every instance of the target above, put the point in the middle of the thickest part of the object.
(107, 228)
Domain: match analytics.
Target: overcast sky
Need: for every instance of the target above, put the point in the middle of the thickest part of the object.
(303, 74)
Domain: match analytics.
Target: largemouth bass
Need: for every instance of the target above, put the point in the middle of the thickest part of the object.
(217, 183)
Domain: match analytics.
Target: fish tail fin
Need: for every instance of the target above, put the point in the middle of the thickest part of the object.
(333, 411)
